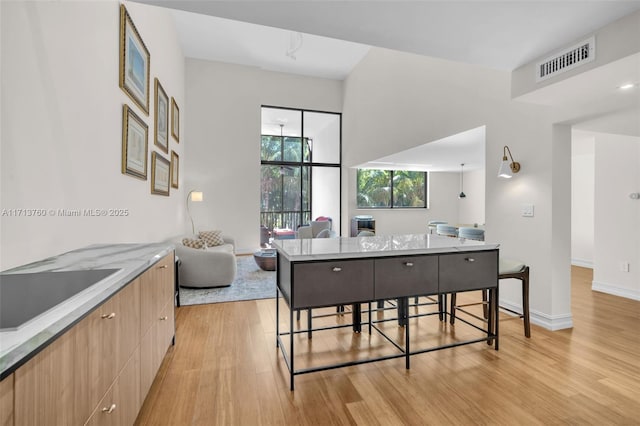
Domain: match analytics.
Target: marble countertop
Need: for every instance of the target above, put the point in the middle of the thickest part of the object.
(130, 259)
(376, 246)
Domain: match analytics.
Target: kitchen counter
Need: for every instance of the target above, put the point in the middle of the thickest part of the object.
(130, 260)
(375, 246)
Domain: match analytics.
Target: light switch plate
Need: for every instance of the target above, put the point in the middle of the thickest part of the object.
(527, 210)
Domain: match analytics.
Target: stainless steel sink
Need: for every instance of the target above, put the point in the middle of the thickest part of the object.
(25, 296)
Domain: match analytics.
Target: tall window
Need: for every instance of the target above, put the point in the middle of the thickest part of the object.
(300, 167)
(391, 189)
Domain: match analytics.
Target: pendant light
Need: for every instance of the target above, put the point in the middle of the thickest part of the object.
(462, 194)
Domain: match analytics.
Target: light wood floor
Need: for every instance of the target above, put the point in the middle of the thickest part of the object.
(225, 370)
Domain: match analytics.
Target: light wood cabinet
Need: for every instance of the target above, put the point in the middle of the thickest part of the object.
(166, 330)
(157, 319)
(6, 401)
(121, 403)
(103, 360)
(148, 365)
(105, 340)
(44, 393)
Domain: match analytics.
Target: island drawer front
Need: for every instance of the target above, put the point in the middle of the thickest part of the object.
(406, 276)
(332, 283)
(468, 271)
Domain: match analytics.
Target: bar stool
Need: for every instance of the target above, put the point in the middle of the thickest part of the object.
(432, 224)
(507, 268)
(446, 230)
(471, 233)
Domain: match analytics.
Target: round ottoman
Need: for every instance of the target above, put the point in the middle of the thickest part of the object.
(265, 259)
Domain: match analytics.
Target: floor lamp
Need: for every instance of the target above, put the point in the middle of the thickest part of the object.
(196, 197)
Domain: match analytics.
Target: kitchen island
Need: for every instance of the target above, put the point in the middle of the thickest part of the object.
(316, 273)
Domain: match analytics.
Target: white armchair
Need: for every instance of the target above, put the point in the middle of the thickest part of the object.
(211, 267)
(314, 229)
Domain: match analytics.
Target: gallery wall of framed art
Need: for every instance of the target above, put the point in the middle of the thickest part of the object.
(164, 116)
(81, 123)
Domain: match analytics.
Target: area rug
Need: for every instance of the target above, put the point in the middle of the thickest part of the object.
(251, 283)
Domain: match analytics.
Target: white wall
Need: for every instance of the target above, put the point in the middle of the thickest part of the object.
(427, 99)
(443, 205)
(325, 198)
(616, 216)
(62, 127)
(471, 208)
(223, 134)
(582, 199)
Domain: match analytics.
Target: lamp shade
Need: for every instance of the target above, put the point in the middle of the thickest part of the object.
(196, 196)
(505, 170)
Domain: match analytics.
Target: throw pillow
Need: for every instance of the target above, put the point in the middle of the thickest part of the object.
(212, 238)
(194, 243)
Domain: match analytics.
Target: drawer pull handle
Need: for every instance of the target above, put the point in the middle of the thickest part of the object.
(336, 269)
(409, 264)
(164, 318)
(109, 410)
(470, 259)
(112, 315)
(163, 267)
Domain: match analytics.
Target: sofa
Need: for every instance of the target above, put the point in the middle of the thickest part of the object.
(209, 267)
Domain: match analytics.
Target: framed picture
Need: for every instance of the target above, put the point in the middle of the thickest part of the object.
(175, 120)
(175, 169)
(161, 138)
(160, 171)
(134, 144)
(134, 62)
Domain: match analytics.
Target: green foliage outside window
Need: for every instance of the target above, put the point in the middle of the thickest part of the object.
(391, 189)
(277, 148)
(285, 184)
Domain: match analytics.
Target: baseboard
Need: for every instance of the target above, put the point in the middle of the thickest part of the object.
(583, 263)
(550, 322)
(615, 290)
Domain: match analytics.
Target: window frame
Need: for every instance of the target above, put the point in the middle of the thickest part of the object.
(304, 162)
(391, 206)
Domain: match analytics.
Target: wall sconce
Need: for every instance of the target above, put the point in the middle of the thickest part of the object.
(507, 169)
(196, 197)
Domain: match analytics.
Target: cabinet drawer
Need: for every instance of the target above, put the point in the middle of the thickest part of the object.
(6, 401)
(44, 386)
(166, 330)
(121, 403)
(156, 288)
(332, 283)
(406, 276)
(468, 271)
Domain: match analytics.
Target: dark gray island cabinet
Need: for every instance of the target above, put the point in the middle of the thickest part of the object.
(92, 358)
(315, 273)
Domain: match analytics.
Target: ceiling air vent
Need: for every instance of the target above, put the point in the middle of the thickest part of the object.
(575, 56)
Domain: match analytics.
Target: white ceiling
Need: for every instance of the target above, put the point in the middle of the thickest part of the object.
(217, 39)
(497, 34)
(335, 35)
